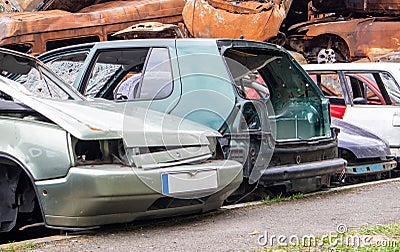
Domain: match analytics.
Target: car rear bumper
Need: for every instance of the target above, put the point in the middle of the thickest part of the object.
(303, 170)
(366, 169)
(104, 194)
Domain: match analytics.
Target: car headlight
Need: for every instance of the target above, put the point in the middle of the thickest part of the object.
(98, 151)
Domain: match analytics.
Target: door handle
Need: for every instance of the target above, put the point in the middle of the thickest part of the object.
(396, 119)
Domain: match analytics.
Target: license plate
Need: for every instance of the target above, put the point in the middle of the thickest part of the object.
(182, 182)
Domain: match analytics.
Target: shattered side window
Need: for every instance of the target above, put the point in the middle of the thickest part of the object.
(101, 74)
(68, 66)
(33, 78)
(40, 85)
(110, 67)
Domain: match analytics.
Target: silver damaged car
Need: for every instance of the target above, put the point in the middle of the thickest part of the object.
(75, 164)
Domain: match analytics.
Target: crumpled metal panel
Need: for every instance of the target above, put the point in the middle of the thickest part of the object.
(150, 30)
(222, 19)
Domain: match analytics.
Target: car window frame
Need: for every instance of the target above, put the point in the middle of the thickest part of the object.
(81, 82)
(377, 79)
(342, 80)
(144, 73)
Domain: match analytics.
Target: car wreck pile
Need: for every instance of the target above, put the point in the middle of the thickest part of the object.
(323, 31)
(145, 128)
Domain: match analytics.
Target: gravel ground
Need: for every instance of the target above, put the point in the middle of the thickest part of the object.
(240, 229)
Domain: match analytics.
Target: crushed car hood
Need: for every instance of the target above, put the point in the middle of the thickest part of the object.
(361, 142)
(101, 119)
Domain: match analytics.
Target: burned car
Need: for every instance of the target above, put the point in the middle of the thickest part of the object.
(364, 94)
(93, 23)
(73, 163)
(273, 118)
(344, 39)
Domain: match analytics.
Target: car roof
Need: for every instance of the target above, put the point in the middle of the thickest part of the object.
(157, 42)
(16, 53)
(78, 47)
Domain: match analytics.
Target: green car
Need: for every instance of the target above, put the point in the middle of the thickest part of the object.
(273, 118)
(76, 164)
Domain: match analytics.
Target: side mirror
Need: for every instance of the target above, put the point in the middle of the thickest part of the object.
(360, 100)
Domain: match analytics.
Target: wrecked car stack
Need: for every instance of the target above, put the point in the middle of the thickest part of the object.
(233, 111)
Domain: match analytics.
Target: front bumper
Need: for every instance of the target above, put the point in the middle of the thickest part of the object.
(104, 194)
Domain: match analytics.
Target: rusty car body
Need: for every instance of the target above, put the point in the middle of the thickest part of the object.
(37, 32)
(349, 38)
(252, 20)
(370, 7)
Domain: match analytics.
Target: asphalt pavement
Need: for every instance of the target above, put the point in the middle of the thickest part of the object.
(246, 228)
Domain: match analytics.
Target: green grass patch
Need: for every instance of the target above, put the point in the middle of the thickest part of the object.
(390, 230)
(282, 198)
(14, 247)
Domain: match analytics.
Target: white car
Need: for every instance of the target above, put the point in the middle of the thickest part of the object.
(364, 94)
